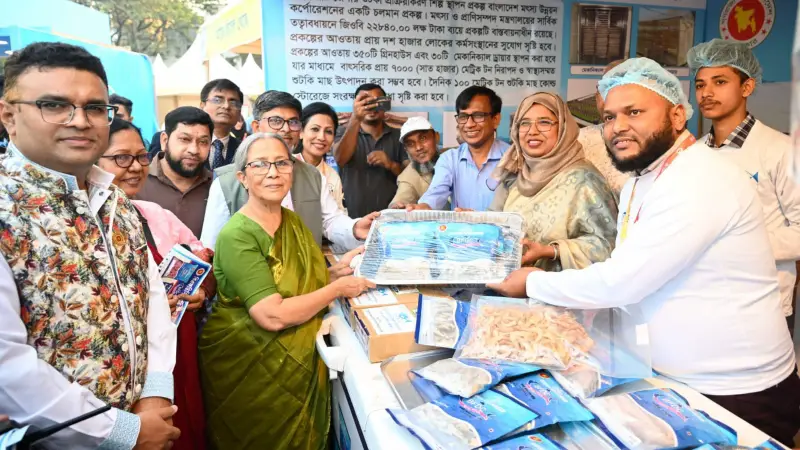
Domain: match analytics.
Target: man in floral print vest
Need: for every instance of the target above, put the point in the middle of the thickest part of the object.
(84, 319)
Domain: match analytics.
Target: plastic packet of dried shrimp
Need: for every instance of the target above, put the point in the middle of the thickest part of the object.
(455, 423)
(584, 380)
(520, 331)
(440, 321)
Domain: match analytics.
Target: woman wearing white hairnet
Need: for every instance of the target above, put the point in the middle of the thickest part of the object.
(727, 74)
(692, 251)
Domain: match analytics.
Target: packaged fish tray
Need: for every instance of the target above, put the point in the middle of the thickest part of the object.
(442, 248)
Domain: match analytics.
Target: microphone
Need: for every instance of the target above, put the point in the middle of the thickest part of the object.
(31, 436)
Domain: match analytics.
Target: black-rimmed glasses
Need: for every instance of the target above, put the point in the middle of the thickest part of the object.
(125, 161)
(477, 117)
(259, 167)
(62, 113)
(543, 125)
(276, 123)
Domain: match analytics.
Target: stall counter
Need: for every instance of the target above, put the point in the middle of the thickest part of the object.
(362, 394)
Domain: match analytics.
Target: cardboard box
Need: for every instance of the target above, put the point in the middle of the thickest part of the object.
(386, 331)
(384, 296)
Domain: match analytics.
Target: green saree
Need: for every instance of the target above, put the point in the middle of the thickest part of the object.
(263, 389)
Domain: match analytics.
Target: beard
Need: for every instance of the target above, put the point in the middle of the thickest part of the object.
(177, 166)
(653, 148)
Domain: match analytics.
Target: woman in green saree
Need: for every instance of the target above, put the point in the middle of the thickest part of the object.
(570, 212)
(265, 386)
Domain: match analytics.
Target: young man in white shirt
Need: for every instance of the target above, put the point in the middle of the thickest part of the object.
(84, 319)
(692, 251)
(726, 75)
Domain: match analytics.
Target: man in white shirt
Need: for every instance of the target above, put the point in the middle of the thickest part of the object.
(594, 147)
(222, 100)
(726, 75)
(279, 112)
(692, 251)
(84, 319)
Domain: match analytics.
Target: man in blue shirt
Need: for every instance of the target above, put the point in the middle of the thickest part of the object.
(463, 174)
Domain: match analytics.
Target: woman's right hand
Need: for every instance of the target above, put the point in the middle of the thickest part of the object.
(351, 286)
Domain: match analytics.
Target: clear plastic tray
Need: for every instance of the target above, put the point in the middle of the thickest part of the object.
(442, 248)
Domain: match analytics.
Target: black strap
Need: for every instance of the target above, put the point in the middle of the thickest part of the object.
(151, 242)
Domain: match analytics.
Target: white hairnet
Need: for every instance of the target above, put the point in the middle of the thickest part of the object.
(649, 74)
(719, 52)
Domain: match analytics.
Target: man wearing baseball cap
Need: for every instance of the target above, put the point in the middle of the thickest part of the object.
(419, 139)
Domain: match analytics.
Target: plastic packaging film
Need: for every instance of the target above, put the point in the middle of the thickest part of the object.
(442, 247)
(526, 331)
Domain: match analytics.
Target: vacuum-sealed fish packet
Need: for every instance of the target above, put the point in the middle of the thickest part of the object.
(526, 442)
(540, 393)
(455, 423)
(584, 380)
(582, 436)
(442, 247)
(466, 377)
(440, 321)
(656, 419)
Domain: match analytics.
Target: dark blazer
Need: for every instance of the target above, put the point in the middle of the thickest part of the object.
(155, 145)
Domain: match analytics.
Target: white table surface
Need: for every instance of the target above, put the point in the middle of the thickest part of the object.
(371, 394)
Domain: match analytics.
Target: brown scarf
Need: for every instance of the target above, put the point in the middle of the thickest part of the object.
(534, 173)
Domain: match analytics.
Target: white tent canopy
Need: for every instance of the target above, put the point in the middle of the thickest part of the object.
(187, 75)
(252, 77)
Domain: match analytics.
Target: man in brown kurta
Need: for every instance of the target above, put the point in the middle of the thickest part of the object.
(178, 179)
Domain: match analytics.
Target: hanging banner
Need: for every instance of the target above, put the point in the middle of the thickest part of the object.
(422, 52)
(747, 21)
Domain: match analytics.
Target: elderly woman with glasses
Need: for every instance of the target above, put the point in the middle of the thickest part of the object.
(264, 383)
(126, 159)
(569, 210)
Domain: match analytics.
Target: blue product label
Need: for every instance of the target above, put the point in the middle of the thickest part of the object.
(425, 388)
(463, 242)
(404, 240)
(692, 428)
(527, 442)
(770, 445)
(344, 435)
(542, 395)
(491, 414)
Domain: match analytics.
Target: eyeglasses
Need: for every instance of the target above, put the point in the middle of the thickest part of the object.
(125, 161)
(219, 101)
(62, 113)
(262, 167)
(276, 123)
(477, 117)
(542, 125)
(423, 139)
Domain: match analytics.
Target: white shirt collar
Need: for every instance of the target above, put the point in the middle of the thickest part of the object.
(223, 140)
(97, 177)
(683, 136)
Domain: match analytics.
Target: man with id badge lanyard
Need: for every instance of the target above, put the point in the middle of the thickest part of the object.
(692, 251)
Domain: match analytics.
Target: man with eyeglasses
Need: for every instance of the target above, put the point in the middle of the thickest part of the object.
(222, 100)
(369, 154)
(84, 319)
(420, 141)
(279, 112)
(463, 174)
(179, 180)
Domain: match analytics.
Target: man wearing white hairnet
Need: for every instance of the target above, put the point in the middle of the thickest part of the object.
(726, 74)
(692, 252)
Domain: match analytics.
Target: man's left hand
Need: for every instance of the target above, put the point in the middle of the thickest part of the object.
(195, 301)
(361, 228)
(514, 284)
(146, 404)
(379, 158)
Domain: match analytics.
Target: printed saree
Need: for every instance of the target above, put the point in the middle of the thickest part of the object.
(264, 389)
